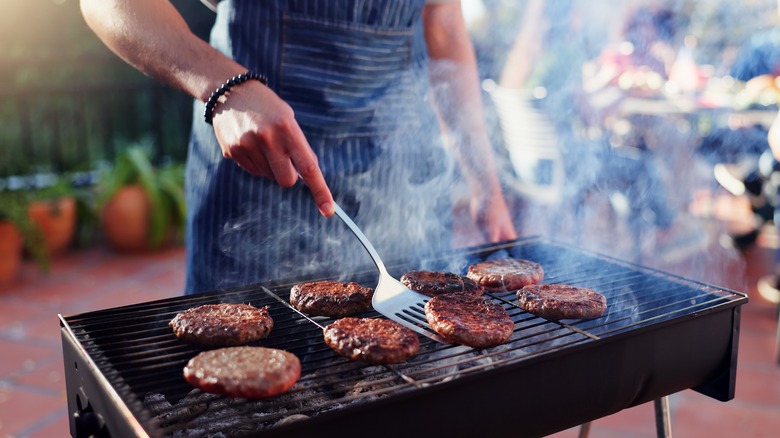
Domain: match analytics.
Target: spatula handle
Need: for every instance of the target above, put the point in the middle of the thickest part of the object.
(361, 237)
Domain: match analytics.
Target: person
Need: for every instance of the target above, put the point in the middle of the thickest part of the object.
(536, 96)
(748, 151)
(769, 285)
(641, 65)
(640, 62)
(374, 104)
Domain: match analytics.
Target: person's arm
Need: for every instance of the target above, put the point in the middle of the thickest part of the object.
(254, 127)
(527, 47)
(455, 84)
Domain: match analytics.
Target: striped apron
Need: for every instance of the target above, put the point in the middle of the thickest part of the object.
(354, 73)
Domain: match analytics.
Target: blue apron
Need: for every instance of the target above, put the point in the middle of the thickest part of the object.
(354, 73)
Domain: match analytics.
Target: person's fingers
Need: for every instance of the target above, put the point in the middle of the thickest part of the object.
(286, 173)
(261, 167)
(506, 231)
(503, 228)
(245, 161)
(265, 169)
(282, 168)
(494, 220)
(274, 147)
(295, 158)
(254, 152)
(307, 166)
(311, 175)
(320, 192)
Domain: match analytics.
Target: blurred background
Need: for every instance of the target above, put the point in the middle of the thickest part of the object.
(67, 100)
(635, 107)
(637, 129)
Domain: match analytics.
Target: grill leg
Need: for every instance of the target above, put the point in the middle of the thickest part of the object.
(584, 430)
(663, 422)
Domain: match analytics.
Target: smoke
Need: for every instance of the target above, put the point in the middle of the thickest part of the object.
(573, 167)
(395, 186)
(614, 163)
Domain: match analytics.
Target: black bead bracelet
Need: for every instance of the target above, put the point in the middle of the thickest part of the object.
(224, 88)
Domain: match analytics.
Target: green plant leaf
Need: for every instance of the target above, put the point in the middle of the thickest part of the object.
(123, 173)
(172, 184)
(164, 188)
(88, 218)
(13, 207)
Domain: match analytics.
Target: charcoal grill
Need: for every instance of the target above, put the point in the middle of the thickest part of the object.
(661, 334)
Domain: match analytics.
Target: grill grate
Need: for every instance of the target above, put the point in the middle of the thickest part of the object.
(137, 354)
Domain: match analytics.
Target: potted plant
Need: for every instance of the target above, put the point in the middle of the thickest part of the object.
(53, 208)
(17, 233)
(141, 206)
(10, 244)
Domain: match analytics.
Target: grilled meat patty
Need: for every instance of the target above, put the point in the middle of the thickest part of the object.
(331, 298)
(246, 372)
(222, 325)
(372, 340)
(469, 320)
(434, 283)
(561, 301)
(506, 274)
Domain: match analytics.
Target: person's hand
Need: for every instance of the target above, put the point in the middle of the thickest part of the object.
(491, 215)
(479, 219)
(258, 130)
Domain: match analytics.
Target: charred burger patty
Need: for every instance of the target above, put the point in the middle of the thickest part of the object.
(434, 283)
(506, 274)
(331, 298)
(222, 325)
(372, 340)
(561, 301)
(246, 372)
(469, 320)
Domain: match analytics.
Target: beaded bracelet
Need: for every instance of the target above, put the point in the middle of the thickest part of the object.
(224, 88)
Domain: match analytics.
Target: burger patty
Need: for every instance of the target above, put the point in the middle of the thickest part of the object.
(433, 283)
(372, 340)
(469, 320)
(246, 372)
(331, 298)
(561, 301)
(506, 274)
(222, 325)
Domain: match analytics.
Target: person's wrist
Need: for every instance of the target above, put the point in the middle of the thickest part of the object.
(223, 90)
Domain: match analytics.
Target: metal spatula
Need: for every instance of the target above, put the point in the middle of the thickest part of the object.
(391, 297)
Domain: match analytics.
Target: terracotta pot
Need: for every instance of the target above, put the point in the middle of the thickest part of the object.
(56, 220)
(10, 251)
(125, 220)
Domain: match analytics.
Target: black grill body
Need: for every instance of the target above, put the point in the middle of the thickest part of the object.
(661, 334)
